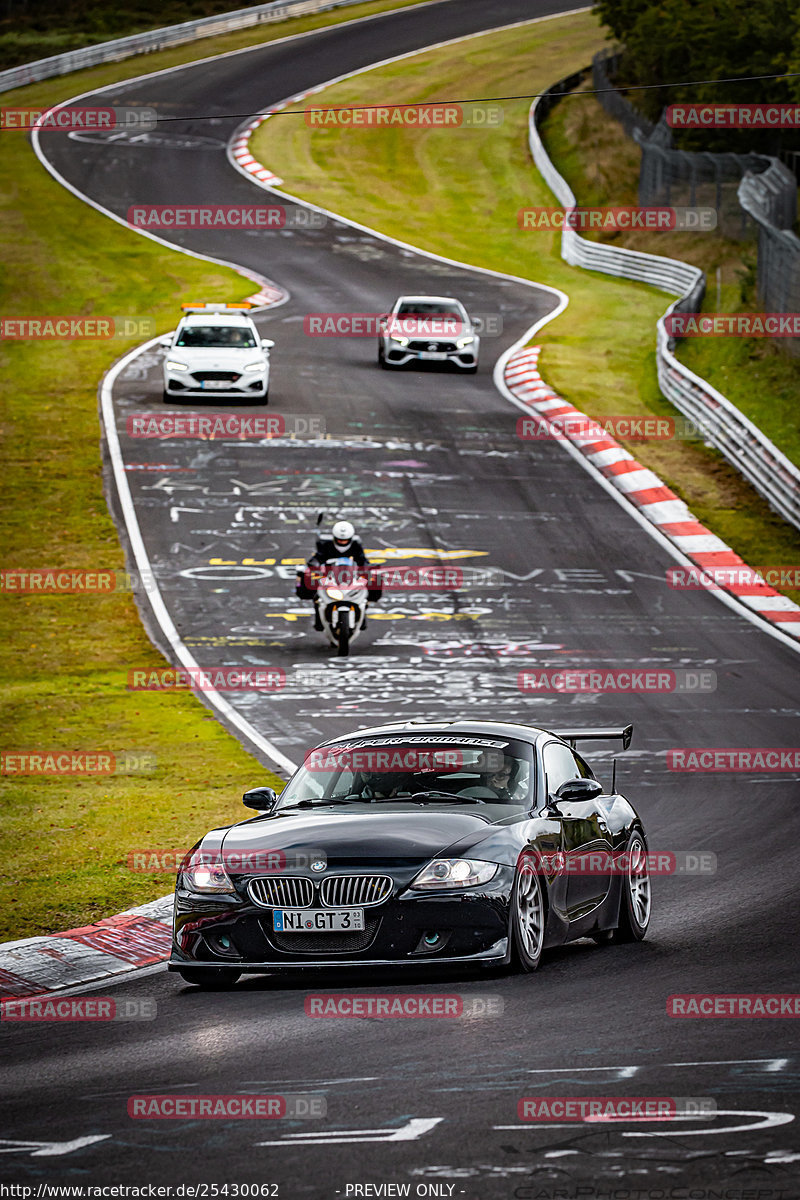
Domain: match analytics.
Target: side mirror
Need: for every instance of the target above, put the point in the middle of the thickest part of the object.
(166, 340)
(575, 790)
(262, 798)
(267, 344)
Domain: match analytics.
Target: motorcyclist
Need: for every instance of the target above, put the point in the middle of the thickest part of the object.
(342, 543)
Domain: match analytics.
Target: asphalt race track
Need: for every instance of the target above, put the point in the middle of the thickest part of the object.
(423, 462)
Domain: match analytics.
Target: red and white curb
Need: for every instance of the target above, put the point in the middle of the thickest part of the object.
(654, 501)
(114, 946)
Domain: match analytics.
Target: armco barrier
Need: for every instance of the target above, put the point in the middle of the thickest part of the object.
(160, 39)
(721, 423)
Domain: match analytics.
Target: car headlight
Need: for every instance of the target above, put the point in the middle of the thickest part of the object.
(334, 593)
(176, 366)
(205, 873)
(454, 873)
(465, 341)
(401, 341)
(259, 366)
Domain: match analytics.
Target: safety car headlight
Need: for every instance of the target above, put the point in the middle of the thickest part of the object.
(176, 366)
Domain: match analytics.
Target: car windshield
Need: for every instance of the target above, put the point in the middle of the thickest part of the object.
(212, 336)
(415, 769)
(428, 308)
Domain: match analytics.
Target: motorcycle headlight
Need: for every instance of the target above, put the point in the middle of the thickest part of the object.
(455, 873)
(401, 341)
(257, 366)
(334, 593)
(465, 341)
(176, 366)
(205, 873)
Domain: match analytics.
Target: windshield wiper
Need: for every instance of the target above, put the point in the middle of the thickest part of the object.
(311, 804)
(434, 795)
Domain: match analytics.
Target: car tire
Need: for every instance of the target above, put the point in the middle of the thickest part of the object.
(471, 370)
(527, 917)
(165, 398)
(209, 978)
(635, 899)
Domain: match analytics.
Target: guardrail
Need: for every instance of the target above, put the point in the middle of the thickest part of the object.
(718, 420)
(160, 39)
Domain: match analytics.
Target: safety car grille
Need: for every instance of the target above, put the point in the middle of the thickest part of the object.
(229, 376)
(426, 345)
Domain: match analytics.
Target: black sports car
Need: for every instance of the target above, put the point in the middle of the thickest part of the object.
(464, 842)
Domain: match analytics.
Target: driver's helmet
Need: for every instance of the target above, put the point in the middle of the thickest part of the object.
(343, 533)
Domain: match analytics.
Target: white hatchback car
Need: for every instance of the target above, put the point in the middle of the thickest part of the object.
(428, 329)
(216, 352)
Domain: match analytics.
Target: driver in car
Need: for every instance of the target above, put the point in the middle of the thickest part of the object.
(378, 785)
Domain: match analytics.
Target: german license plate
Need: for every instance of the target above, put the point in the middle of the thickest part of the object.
(433, 355)
(317, 920)
(213, 385)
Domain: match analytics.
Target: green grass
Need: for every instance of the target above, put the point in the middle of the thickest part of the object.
(457, 192)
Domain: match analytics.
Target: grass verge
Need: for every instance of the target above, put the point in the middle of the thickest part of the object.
(458, 191)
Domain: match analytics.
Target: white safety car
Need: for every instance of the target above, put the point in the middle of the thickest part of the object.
(216, 353)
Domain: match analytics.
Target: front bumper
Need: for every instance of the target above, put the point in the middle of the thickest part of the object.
(444, 352)
(232, 932)
(185, 387)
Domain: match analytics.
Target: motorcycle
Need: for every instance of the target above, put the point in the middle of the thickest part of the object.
(341, 591)
(341, 600)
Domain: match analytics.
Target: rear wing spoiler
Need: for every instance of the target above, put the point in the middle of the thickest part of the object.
(573, 736)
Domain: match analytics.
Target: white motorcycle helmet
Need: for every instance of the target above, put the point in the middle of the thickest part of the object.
(343, 534)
